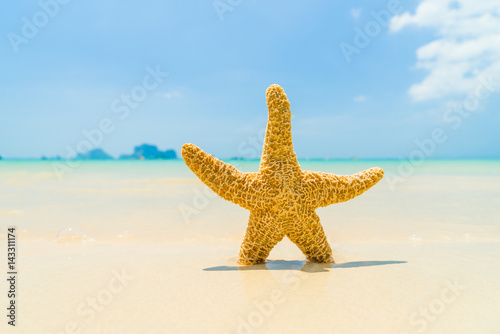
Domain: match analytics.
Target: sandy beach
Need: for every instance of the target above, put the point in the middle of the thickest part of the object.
(367, 132)
(130, 247)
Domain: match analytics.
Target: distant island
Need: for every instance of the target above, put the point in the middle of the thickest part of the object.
(96, 154)
(57, 157)
(141, 152)
(149, 152)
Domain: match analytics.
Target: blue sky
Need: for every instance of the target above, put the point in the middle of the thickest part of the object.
(409, 76)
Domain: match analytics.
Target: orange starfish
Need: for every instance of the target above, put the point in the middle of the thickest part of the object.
(282, 198)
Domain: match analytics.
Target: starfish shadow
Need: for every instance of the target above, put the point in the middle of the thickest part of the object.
(310, 267)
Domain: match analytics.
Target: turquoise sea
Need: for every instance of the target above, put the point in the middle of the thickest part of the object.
(176, 168)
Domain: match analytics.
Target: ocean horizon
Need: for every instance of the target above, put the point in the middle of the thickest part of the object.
(177, 168)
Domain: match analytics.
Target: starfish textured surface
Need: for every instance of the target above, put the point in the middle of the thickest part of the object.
(282, 198)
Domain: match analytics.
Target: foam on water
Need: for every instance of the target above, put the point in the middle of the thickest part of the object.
(73, 236)
(125, 236)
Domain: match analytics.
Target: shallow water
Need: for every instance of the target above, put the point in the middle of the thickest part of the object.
(113, 201)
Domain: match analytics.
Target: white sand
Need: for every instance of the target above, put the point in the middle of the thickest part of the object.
(420, 258)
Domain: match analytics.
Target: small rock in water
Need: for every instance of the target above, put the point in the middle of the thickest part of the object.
(72, 235)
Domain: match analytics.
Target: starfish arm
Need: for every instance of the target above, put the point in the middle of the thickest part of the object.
(260, 238)
(278, 145)
(325, 189)
(311, 239)
(224, 179)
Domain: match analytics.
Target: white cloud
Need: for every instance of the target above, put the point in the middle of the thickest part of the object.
(467, 46)
(356, 12)
(360, 98)
(172, 94)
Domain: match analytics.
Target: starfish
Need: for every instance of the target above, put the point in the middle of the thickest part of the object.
(282, 198)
